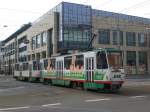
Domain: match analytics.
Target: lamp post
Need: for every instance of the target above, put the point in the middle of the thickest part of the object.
(148, 59)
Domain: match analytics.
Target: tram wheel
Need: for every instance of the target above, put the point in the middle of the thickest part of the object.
(30, 79)
(74, 85)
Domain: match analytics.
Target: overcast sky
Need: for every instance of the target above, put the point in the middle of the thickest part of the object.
(15, 13)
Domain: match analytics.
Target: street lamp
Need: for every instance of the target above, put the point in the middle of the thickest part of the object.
(5, 26)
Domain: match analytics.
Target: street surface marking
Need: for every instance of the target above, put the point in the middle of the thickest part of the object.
(3, 90)
(15, 108)
(137, 84)
(137, 96)
(48, 105)
(94, 100)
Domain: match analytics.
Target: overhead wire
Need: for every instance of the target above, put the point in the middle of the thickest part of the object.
(128, 9)
(135, 6)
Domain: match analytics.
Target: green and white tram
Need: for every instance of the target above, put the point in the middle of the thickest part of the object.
(22, 71)
(43, 70)
(35, 70)
(17, 73)
(27, 71)
(100, 69)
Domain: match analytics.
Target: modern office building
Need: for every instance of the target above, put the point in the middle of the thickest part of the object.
(70, 26)
(11, 50)
(2, 52)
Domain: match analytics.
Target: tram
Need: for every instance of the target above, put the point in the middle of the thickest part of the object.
(17, 71)
(27, 71)
(100, 69)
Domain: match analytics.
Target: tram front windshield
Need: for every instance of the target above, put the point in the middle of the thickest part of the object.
(101, 60)
(115, 59)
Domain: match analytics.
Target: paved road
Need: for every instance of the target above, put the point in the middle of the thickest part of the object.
(16, 96)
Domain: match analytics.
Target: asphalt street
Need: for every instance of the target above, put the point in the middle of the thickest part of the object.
(17, 96)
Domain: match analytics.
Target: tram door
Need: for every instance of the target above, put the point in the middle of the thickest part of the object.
(89, 68)
(20, 70)
(59, 69)
(30, 70)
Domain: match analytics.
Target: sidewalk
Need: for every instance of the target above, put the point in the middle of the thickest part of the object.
(146, 76)
(136, 80)
(5, 76)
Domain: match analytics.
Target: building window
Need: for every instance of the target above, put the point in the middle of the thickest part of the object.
(22, 58)
(115, 38)
(76, 30)
(104, 36)
(76, 14)
(33, 56)
(44, 54)
(142, 40)
(33, 43)
(38, 56)
(29, 57)
(43, 38)
(22, 49)
(121, 37)
(130, 39)
(76, 38)
(131, 62)
(38, 41)
(25, 66)
(142, 62)
(36, 65)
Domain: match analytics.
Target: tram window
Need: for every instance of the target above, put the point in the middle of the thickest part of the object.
(25, 66)
(67, 62)
(79, 62)
(40, 66)
(45, 64)
(36, 65)
(17, 67)
(101, 60)
(52, 64)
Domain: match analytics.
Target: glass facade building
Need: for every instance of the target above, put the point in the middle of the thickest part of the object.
(70, 26)
(76, 25)
(130, 39)
(104, 36)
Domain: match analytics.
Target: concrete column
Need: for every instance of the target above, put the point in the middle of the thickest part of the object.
(147, 40)
(136, 39)
(48, 44)
(118, 38)
(16, 50)
(148, 52)
(148, 61)
(55, 33)
(124, 52)
(111, 37)
(125, 60)
(137, 62)
(124, 39)
(41, 55)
